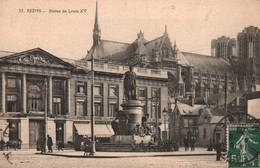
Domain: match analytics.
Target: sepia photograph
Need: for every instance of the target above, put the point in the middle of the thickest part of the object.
(129, 83)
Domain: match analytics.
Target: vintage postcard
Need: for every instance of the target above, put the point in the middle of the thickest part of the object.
(129, 83)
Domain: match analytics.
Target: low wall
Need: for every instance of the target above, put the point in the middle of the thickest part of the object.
(129, 139)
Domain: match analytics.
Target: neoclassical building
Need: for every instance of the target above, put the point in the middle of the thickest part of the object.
(35, 82)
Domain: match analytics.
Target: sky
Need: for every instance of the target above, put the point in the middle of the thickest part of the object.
(192, 24)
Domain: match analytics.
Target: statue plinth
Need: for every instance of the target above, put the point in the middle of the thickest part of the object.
(127, 125)
(134, 110)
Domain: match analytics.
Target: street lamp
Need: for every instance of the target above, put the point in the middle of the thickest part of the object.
(60, 132)
(164, 114)
(164, 132)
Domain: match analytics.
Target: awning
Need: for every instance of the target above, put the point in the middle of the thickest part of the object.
(103, 130)
(83, 129)
(100, 130)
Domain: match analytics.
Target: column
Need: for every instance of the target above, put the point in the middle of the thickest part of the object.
(25, 133)
(68, 98)
(50, 94)
(105, 99)
(3, 92)
(24, 94)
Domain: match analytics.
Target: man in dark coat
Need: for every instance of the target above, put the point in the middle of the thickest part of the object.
(2, 144)
(192, 144)
(186, 143)
(42, 144)
(218, 149)
(49, 143)
(210, 148)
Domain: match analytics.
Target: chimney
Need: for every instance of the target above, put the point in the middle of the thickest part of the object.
(176, 101)
(191, 99)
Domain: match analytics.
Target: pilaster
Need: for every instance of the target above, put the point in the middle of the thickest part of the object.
(3, 92)
(24, 94)
(50, 94)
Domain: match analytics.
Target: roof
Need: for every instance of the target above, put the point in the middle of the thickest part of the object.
(220, 98)
(5, 53)
(124, 52)
(214, 111)
(216, 114)
(182, 59)
(253, 95)
(36, 56)
(154, 44)
(186, 109)
(215, 119)
(111, 50)
(207, 63)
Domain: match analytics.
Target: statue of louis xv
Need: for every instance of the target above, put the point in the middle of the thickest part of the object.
(130, 84)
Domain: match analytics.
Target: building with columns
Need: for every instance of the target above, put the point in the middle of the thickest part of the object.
(34, 82)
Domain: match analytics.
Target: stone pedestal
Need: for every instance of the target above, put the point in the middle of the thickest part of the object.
(133, 108)
(129, 139)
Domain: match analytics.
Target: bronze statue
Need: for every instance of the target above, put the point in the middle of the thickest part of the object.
(130, 84)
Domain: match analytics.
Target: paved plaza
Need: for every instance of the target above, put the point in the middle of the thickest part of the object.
(29, 158)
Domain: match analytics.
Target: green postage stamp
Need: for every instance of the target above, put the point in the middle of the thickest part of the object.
(243, 144)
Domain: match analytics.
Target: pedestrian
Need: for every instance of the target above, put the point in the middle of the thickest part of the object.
(49, 143)
(210, 147)
(86, 144)
(2, 144)
(60, 145)
(42, 144)
(142, 146)
(38, 144)
(192, 143)
(150, 145)
(218, 149)
(133, 146)
(186, 143)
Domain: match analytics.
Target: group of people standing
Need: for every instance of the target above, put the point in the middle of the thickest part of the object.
(41, 143)
(189, 142)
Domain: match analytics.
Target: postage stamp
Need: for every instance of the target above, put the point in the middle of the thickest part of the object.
(243, 145)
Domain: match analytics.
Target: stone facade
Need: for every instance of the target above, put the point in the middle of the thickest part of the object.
(223, 47)
(34, 82)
